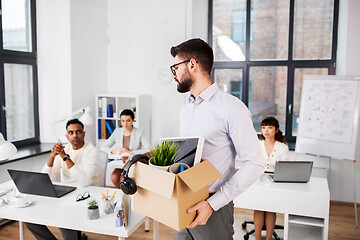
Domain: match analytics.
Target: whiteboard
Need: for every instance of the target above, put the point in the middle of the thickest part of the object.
(329, 116)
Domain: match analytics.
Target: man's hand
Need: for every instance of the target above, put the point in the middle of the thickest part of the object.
(204, 211)
(58, 149)
(121, 151)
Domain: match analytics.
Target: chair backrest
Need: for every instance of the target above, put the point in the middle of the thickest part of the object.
(103, 160)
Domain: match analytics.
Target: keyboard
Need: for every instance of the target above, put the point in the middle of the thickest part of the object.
(62, 190)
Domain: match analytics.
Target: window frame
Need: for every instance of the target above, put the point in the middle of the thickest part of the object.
(18, 57)
(290, 63)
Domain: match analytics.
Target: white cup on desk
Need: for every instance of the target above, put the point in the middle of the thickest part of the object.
(20, 200)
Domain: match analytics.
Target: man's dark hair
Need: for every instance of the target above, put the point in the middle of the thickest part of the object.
(195, 49)
(128, 112)
(74, 121)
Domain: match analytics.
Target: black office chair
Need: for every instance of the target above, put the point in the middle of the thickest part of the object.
(247, 234)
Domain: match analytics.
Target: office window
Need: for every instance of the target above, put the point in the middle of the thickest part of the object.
(228, 30)
(313, 23)
(268, 94)
(16, 25)
(271, 29)
(229, 80)
(18, 72)
(282, 41)
(238, 26)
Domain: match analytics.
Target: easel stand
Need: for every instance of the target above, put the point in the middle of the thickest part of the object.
(355, 202)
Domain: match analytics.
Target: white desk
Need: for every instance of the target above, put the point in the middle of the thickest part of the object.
(65, 212)
(305, 205)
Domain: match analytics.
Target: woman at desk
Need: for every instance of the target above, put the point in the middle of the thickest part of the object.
(274, 148)
(127, 140)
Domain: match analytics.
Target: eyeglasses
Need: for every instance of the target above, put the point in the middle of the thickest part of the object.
(173, 69)
(83, 196)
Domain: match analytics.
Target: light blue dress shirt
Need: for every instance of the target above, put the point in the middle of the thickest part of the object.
(225, 123)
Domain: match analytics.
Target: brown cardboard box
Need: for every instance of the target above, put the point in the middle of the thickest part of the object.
(165, 196)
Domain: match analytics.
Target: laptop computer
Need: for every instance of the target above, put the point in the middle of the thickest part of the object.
(37, 183)
(292, 171)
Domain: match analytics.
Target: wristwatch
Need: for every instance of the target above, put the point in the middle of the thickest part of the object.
(67, 156)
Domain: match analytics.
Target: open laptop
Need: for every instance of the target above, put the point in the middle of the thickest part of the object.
(38, 184)
(292, 171)
(190, 149)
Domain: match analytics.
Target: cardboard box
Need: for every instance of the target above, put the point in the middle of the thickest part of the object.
(165, 196)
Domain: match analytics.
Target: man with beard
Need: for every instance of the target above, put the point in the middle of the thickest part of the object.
(78, 163)
(225, 123)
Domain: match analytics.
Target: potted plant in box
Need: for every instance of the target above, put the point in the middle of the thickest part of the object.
(93, 210)
(163, 154)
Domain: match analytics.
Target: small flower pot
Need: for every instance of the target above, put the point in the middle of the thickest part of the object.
(164, 168)
(93, 213)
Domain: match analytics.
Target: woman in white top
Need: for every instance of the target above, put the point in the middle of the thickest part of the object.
(126, 140)
(274, 148)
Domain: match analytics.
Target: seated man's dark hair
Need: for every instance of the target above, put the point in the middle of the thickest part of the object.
(74, 121)
(195, 49)
(128, 112)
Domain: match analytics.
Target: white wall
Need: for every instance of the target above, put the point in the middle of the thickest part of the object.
(139, 47)
(72, 44)
(88, 55)
(54, 64)
(348, 58)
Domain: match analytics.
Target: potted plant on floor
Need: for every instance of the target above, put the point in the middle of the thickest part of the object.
(93, 210)
(163, 154)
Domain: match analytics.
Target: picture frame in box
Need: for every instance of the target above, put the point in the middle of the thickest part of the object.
(190, 149)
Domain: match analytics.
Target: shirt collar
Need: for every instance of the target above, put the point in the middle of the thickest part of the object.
(205, 95)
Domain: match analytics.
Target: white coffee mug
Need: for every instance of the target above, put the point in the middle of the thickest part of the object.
(20, 200)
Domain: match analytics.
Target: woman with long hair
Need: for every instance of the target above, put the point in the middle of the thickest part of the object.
(274, 149)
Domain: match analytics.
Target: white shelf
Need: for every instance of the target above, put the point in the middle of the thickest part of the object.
(302, 232)
(106, 118)
(120, 102)
(309, 221)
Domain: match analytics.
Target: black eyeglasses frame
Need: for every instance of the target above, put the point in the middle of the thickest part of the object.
(83, 196)
(172, 67)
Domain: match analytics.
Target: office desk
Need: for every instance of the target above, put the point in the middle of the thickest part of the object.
(305, 205)
(65, 212)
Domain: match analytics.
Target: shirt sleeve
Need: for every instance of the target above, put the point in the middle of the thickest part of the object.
(244, 138)
(145, 145)
(54, 170)
(88, 172)
(284, 152)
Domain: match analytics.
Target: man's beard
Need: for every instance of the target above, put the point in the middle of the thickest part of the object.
(185, 85)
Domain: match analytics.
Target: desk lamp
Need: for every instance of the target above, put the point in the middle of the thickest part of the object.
(83, 114)
(7, 149)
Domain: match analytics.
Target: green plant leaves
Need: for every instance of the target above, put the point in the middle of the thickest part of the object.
(164, 153)
(93, 204)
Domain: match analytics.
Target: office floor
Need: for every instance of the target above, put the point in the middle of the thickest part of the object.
(342, 226)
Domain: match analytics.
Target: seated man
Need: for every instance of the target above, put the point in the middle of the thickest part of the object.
(78, 162)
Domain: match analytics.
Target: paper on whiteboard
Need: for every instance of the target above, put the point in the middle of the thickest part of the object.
(328, 110)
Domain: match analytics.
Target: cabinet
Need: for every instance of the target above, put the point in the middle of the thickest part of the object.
(108, 109)
(305, 227)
